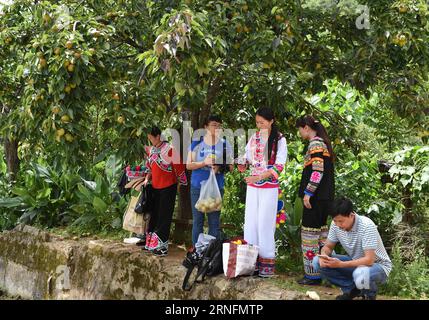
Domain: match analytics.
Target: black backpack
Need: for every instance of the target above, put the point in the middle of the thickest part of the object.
(209, 263)
(145, 202)
(123, 180)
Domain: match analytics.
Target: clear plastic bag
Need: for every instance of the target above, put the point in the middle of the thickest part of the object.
(210, 199)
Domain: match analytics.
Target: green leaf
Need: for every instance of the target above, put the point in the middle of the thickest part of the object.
(84, 194)
(11, 202)
(298, 210)
(99, 205)
(44, 193)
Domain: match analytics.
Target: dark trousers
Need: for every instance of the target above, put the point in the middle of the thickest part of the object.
(162, 215)
(314, 233)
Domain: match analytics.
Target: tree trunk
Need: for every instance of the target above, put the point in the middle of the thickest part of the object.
(12, 160)
(211, 97)
(183, 227)
(407, 216)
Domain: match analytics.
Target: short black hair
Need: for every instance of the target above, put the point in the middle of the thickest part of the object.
(342, 206)
(212, 117)
(155, 131)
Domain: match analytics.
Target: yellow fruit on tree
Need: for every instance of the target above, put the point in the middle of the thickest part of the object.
(116, 96)
(69, 44)
(92, 51)
(60, 132)
(67, 89)
(70, 67)
(65, 118)
(46, 18)
(121, 119)
(77, 55)
(57, 51)
(279, 18)
(73, 85)
(43, 62)
(69, 137)
(66, 63)
(403, 9)
(56, 110)
(402, 40)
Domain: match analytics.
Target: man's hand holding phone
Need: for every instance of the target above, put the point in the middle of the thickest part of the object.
(324, 256)
(326, 261)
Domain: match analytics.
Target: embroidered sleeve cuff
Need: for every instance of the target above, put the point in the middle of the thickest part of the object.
(183, 180)
(274, 173)
(308, 193)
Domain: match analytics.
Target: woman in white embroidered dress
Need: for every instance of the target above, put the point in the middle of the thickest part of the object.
(266, 153)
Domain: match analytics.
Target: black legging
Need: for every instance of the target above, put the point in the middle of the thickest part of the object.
(162, 215)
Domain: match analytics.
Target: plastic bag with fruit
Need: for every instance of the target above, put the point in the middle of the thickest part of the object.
(239, 258)
(210, 199)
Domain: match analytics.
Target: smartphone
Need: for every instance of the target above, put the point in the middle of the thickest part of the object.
(324, 256)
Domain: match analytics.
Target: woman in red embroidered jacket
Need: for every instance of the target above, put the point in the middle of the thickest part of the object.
(317, 190)
(165, 169)
(263, 188)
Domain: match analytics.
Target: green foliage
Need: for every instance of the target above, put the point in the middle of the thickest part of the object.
(49, 199)
(97, 208)
(360, 180)
(234, 200)
(44, 196)
(408, 278)
(411, 171)
(289, 233)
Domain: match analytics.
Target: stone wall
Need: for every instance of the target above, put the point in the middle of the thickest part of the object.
(37, 265)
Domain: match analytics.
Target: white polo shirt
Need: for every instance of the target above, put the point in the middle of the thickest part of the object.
(363, 236)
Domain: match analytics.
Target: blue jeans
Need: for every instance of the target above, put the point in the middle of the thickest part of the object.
(198, 218)
(363, 278)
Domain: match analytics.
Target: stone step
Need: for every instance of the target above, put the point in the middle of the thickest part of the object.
(37, 265)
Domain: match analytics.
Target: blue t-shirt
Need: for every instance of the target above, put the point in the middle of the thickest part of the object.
(202, 151)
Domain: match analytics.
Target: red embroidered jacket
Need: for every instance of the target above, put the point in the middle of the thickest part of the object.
(165, 166)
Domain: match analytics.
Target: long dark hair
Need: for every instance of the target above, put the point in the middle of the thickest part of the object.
(317, 126)
(268, 115)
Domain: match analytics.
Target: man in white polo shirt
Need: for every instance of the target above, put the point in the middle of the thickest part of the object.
(367, 263)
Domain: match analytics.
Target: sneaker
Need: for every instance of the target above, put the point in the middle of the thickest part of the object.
(160, 252)
(132, 240)
(310, 282)
(367, 297)
(264, 275)
(148, 238)
(350, 295)
(142, 240)
(157, 246)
